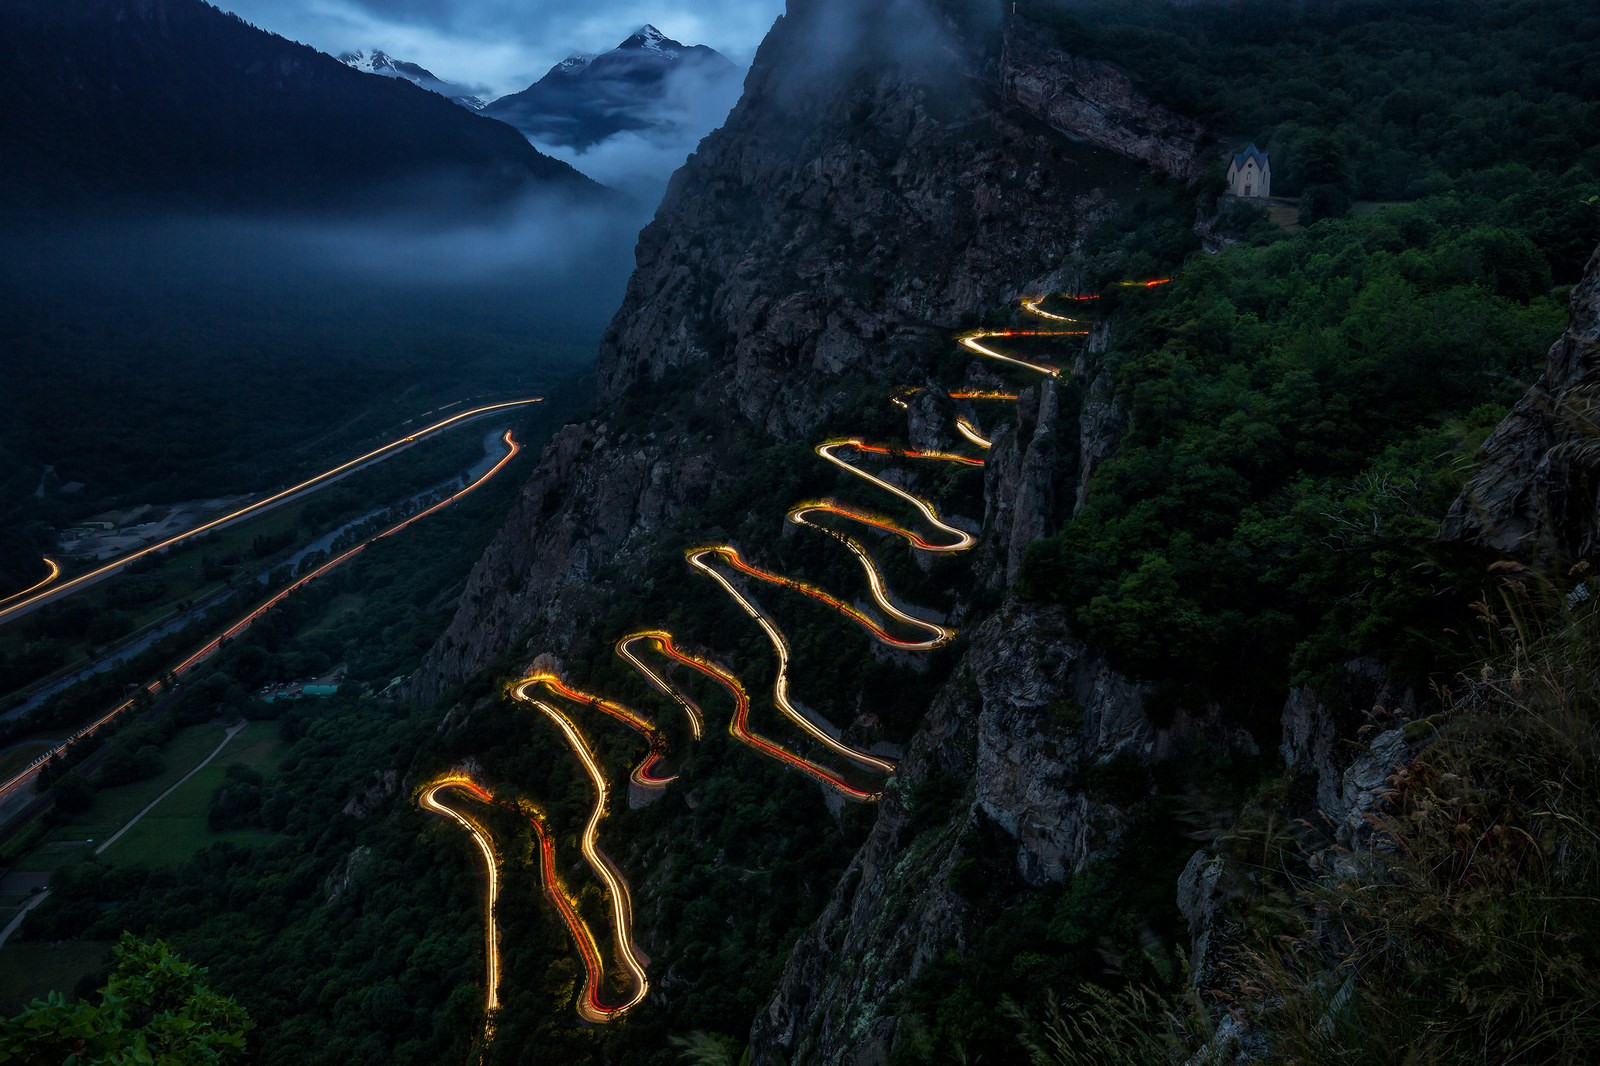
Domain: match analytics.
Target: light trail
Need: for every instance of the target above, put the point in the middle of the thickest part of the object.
(123, 561)
(54, 569)
(984, 395)
(780, 687)
(970, 431)
(970, 341)
(703, 559)
(643, 774)
(590, 1008)
(739, 724)
(1031, 303)
(211, 647)
(661, 638)
(480, 836)
(963, 539)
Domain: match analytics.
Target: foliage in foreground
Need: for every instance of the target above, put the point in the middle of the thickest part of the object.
(154, 1008)
(1468, 933)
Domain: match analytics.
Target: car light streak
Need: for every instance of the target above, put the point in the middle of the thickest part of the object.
(660, 638)
(327, 475)
(970, 431)
(970, 341)
(54, 569)
(739, 724)
(480, 836)
(780, 687)
(711, 560)
(984, 395)
(590, 1008)
(797, 516)
(1031, 303)
(211, 647)
(963, 539)
(643, 774)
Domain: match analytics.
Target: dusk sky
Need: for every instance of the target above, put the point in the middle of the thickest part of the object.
(505, 45)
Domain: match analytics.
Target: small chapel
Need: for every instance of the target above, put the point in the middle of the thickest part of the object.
(1250, 174)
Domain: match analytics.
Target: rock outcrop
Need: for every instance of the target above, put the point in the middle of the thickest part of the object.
(1026, 715)
(1095, 102)
(1534, 494)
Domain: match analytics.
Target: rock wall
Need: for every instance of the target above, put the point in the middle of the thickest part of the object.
(1535, 490)
(1097, 103)
(1006, 728)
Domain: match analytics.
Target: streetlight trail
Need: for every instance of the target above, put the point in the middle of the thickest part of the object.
(54, 569)
(211, 647)
(122, 561)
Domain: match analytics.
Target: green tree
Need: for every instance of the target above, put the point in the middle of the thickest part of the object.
(155, 1008)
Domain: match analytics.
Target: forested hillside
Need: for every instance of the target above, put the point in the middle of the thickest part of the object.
(1217, 750)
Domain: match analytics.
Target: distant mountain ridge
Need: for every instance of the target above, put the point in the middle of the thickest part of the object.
(176, 102)
(585, 99)
(385, 65)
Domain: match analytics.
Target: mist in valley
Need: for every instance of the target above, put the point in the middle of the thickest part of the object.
(167, 357)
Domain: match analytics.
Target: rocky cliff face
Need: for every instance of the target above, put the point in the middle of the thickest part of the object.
(1095, 102)
(1535, 490)
(870, 190)
(1009, 731)
(817, 252)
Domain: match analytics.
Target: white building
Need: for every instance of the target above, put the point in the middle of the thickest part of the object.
(1250, 174)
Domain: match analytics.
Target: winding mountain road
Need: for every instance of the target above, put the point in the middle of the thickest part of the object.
(725, 565)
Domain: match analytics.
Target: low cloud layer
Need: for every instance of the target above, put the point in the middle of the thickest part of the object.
(639, 163)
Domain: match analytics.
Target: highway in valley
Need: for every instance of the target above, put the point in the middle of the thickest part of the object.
(19, 604)
(20, 782)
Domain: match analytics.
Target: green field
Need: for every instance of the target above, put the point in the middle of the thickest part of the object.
(183, 814)
(177, 828)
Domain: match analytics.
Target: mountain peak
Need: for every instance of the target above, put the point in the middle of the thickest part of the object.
(650, 39)
(377, 61)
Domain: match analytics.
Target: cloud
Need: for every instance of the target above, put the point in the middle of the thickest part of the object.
(506, 44)
(638, 163)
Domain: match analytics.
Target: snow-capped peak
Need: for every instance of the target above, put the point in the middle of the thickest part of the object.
(373, 62)
(651, 39)
(575, 62)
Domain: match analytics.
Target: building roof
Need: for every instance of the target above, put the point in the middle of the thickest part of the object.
(1241, 158)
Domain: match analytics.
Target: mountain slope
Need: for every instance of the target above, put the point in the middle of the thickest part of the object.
(386, 66)
(174, 101)
(584, 99)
